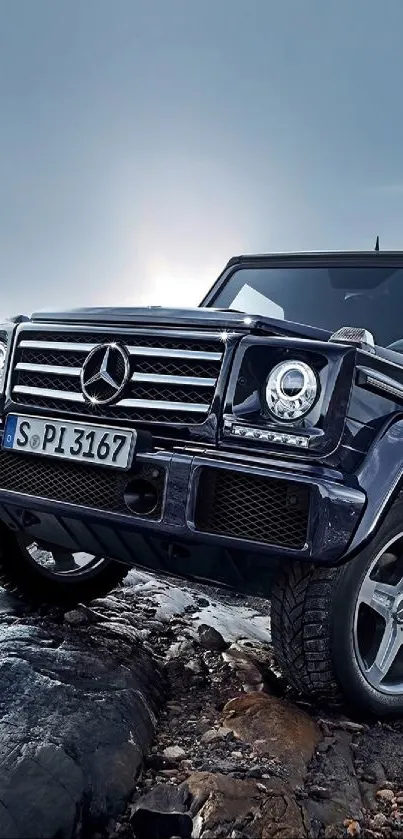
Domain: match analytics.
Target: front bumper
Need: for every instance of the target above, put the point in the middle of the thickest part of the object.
(236, 502)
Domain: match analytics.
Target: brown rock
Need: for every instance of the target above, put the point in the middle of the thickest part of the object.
(275, 729)
(353, 828)
(174, 753)
(215, 734)
(247, 664)
(269, 808)
(379, 821)
(386, 795)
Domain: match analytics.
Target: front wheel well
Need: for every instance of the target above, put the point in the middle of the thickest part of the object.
(316, 630)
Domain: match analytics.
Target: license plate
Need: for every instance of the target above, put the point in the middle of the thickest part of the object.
(94, 444)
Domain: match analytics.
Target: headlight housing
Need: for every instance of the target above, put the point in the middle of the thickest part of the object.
(291, 390)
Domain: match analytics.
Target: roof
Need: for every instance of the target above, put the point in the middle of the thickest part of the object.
(323, 257)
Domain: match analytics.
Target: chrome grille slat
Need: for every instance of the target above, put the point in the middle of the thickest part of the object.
(72, 396)
(49, 393)
(155, 378)
(156, 352)
(152, 352)
(160, 378)
(173, 373)
(157, 332)
(69, 346)
(50, 369)
(161, 405)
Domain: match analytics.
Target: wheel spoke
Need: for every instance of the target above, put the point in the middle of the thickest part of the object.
(61, 562)
(388, 649)
(379, 596)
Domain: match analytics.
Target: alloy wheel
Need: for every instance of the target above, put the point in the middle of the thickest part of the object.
(378, 620)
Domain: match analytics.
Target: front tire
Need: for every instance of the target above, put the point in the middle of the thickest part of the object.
(338, 633)
(56, 577)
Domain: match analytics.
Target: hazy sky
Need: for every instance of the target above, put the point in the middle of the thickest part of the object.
(144, 142)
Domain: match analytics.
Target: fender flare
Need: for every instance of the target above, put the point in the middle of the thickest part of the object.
(381, 478)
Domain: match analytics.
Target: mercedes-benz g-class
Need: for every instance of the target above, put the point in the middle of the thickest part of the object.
(255, 441)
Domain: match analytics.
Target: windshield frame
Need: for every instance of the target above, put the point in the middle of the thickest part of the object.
(349, 259)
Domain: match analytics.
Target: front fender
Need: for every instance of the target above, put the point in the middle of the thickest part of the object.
(381, 478)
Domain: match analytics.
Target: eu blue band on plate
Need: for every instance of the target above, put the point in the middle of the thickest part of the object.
(9, 432)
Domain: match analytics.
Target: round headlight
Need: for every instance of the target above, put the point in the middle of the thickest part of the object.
(291, 390)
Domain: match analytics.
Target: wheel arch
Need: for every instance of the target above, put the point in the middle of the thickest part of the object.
(381, 478)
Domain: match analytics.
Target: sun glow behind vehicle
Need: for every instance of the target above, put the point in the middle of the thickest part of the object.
(176, 285)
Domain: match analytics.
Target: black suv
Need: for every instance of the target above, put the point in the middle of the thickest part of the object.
(256, 441)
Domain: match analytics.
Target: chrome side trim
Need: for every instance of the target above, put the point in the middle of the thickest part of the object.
(151, 404)
(385, 386)
(379, 382)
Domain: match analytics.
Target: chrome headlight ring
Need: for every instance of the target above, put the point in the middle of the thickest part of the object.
(291, 390)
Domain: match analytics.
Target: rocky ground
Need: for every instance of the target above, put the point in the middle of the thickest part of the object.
(235, 753)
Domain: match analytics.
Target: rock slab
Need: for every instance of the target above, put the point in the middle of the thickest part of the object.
(77, 714)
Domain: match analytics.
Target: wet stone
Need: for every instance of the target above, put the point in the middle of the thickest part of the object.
(174, 753)
(76, 718)
(211, 639)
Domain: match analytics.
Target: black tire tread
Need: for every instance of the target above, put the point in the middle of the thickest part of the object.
(301, 628)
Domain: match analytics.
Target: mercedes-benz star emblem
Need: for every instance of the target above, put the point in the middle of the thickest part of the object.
(105, 373)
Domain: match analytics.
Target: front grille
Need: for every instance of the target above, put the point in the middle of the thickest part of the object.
(273, 512)
(87, 486)
(173, 374)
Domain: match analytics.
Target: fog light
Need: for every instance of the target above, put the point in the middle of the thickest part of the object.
(141, 497)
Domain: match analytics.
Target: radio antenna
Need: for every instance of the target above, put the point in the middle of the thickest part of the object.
(377, 244)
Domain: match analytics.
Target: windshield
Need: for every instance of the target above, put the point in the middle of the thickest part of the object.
(327, 298)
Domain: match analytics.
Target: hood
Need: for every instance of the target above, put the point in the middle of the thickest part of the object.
(199, 318)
